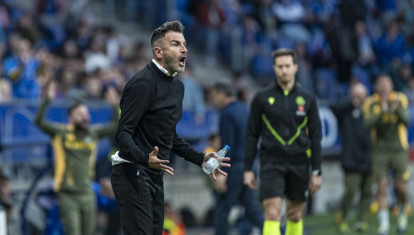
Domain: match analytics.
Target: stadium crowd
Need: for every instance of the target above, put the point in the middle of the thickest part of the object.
(62, 45)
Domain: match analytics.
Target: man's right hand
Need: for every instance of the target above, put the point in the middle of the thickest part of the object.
(156, 163)
(250, 180)
(51, 90)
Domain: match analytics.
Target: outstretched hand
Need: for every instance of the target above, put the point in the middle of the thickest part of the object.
(156, 163)
(207, 156)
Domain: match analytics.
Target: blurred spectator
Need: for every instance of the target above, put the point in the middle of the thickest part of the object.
(96, 58)
(409, 90)
(28, 28)
(173, 224)
(244, 90)
(304, 75)
(214, 144)
(5, 91)
(22, 68)
(352, 11)
(113, 44)
(266, 18)
(93, 87)
(5, 197)
(400, 74)
(212, 19)
(290, 14)
(344, 53)
(391, 45)
(366, 55)
(388, 9)
(193, 96)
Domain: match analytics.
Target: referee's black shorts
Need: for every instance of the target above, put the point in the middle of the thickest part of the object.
(284, 179)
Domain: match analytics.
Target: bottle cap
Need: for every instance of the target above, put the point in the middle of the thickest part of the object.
(227, 147)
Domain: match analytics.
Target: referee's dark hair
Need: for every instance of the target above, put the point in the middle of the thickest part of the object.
(283, 52)
(175, 26)
(227, 88)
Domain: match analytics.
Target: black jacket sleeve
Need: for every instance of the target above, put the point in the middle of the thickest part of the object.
(339, 109)
(315, 135)
(254, 126)
(186, 151)
(135, 102)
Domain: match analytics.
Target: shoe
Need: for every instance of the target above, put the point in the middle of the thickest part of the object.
(361, 226)
(402, 224)
(339, 217)
(343, 227)
(384, 229)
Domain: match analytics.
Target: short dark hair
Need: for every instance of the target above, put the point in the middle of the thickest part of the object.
(74, 106)
(175, 26)
(226, 88)
(283, 52)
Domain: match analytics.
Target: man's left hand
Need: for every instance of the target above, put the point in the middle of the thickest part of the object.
(221, 161)
(315, 184)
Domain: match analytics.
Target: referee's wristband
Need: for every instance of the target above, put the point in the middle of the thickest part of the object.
(317, 172)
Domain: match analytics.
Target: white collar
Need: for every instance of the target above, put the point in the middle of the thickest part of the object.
(162, 69)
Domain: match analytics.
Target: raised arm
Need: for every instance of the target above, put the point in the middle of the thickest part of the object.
(110, 128)
(48, 127)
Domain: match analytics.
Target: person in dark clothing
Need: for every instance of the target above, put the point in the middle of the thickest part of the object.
(230, 188)
(151, 106)
(356, 159)
(285, 117)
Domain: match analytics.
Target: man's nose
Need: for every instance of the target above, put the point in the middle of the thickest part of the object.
(183, 49)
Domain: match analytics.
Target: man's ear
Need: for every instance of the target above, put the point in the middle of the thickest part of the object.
(157, 52)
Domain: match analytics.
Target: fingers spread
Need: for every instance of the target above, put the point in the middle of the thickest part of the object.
(159, 161)
(225, 165)
(221, 171)
(213, 176)
(165, 167)
(168, 171)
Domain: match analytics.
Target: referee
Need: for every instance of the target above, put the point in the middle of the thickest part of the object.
(151, 106)
(286, 118)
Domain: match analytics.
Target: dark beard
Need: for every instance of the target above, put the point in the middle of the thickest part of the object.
(169, 62)
(79, 127)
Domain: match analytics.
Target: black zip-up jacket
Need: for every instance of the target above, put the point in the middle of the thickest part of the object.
(151, 106)
(288, 124)
(356, 142)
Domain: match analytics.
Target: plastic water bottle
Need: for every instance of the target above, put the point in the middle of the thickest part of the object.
(212, 163)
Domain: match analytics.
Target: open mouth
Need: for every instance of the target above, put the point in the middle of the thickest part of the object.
(182, 61)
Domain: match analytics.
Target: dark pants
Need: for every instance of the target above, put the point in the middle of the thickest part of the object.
(139, 194)
(354, 183)
(237, 192)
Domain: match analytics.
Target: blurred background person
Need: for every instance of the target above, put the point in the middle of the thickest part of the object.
(230, 188)
(386, 115)
(75, 156)
(355, 159)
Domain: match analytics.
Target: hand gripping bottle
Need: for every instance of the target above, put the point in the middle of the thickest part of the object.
(212, 163)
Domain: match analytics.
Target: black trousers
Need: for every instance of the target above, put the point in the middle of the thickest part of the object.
(139, 195)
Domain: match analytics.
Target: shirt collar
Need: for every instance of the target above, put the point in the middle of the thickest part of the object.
(163, 70)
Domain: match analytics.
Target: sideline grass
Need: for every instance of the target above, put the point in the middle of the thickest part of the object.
(325, 225)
